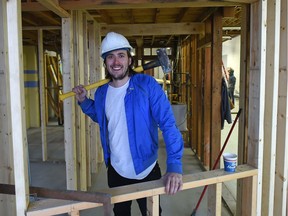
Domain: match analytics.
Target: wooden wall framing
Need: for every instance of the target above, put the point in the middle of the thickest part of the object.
(263, 85)
(83, 148)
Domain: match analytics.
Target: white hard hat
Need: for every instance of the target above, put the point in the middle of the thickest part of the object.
(114, 41)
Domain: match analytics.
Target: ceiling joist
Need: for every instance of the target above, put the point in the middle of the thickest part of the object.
(129, 4)
(157, 29)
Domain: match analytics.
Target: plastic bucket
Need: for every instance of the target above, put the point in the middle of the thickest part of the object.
(230, 162)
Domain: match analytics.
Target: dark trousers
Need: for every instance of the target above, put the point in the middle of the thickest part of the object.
(115, 180)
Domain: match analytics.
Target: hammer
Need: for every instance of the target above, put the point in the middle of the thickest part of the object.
(162, 61)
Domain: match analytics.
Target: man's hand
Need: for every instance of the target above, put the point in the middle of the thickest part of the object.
(80, 92)
(173, 182)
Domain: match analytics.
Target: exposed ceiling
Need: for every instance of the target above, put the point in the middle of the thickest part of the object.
(146, 17)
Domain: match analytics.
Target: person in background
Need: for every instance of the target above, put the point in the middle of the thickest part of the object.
(129, 110)
(231, 85)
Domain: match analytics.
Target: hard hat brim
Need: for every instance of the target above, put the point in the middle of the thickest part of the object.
(104, 55)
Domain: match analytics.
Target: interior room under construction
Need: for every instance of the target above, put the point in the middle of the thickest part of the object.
(51, 159)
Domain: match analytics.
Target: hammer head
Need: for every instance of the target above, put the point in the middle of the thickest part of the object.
(164, 60)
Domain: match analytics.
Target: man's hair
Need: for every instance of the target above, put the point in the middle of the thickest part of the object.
(130, 67)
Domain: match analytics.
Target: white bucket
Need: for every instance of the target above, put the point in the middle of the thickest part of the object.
(230, 162)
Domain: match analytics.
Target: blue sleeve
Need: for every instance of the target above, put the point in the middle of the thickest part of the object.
(88, 108)
(164, 116)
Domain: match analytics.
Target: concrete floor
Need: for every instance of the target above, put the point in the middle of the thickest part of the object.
(51, 174)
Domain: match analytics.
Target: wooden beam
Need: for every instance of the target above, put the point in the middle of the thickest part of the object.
(218, 201)
(42, 94)
(271, 106)
(51, 5)
(94, 68)
(16, 89)
(152, 189)
(69, 104)
(128, 4)
(7, 204)
(281, 170)
(153, 205)
(249, 205)
(257, 92)
(82, 44)
(86, 82)
(216, 91)
(243, 102)
(29, 28)
(207, 109)
(157, 29)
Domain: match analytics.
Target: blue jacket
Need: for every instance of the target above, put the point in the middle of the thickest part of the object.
(147, 107)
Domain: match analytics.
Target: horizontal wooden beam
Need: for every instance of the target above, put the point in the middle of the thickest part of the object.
(130, 4)
(31, 28)
(94, 197)
(147, 189)
(154, 29)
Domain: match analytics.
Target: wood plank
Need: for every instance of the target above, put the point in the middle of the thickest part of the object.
(128, 4)
(81, 23)
(216, 91)
(157, 29)
(216, 88)
(7, 204)
(153, 205)
(207, 108)
(86, 82)
(16, 89)
(153, 188)
(78, 112)
(257, 92)
(243, 100)
(271, 104)
(68, 104)
(42, 95)
(250, 204)
(48, 207)
(200, 64)
(218, 206)
(149, 189)
(281, 174)
(92, 77)
(192, 61)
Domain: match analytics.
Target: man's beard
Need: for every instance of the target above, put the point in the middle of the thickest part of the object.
(119, 77)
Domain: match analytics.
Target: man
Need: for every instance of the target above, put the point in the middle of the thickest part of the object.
(231, 85)
(129, 109)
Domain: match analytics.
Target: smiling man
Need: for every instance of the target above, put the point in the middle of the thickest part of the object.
(129, 110)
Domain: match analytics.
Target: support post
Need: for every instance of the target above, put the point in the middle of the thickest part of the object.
(16, 84)
(153, 205)
(42, 95)
(69, 104)
(7, 204)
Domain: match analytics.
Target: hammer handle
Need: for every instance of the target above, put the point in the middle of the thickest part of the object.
(87, 87)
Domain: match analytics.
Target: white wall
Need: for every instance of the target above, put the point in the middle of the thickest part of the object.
(231, 58)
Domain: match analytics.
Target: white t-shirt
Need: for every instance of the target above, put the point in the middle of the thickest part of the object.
(121, 158)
